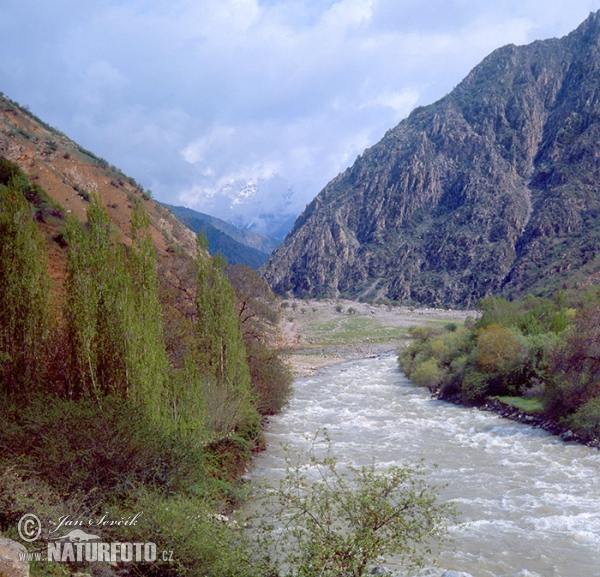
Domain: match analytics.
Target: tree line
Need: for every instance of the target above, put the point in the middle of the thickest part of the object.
(544, 353)
(137, 388)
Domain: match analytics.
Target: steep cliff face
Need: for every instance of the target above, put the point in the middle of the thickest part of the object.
(494, 188)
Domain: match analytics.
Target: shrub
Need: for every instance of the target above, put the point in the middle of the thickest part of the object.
(427, 374)
(82, 446)
(344, 522)
(474, 388)
(497, 348)
(586, 420)
(575, 365)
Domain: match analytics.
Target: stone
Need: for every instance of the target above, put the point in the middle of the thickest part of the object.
(491, 190)
(11, 564)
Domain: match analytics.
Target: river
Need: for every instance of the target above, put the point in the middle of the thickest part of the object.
(530, 503)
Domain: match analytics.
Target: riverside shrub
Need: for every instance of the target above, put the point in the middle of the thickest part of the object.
(326, 520)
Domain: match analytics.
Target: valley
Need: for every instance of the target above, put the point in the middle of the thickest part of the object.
(318, 333)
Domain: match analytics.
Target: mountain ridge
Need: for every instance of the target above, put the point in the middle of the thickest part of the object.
(473, 195)
(238, 246)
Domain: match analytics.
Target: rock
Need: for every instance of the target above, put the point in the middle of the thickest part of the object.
(491, 189)
(378, 571)
(456, 574)
(10, 562)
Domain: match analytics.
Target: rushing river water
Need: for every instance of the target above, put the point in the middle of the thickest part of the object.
(530, 504)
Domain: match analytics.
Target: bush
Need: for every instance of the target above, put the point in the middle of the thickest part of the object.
(427, 374)
(474, 388)
(586, 420)
(84, 446)
(575, 365)
(321, 521)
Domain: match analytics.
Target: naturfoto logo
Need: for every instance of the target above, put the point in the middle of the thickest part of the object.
(67, 542)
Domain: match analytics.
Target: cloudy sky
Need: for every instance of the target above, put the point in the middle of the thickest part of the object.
(196, 98)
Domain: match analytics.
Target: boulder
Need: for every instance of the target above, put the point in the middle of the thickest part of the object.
(11, 564)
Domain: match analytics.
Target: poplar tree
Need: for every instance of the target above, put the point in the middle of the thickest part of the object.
(221, 345)
(221, 355)
(98, 307)
(24, 292)
(147, 354)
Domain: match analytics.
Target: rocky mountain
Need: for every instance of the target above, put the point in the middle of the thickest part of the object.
(238, 246)
(494, 189)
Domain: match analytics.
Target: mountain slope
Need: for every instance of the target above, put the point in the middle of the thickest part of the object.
(238, 246)
(492, 189)
(69, 174)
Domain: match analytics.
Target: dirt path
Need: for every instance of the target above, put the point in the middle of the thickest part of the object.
(325, 332)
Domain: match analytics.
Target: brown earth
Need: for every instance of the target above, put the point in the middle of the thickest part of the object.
(69, 174)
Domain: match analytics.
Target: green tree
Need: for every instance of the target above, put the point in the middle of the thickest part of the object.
(98, 307)
(24, 292)
(113, 316)
(427, 374)
(498, 348)
(575, 365)
(270, 377)
(221, 344)
(221, 354)
(325, 521)
(147, 356)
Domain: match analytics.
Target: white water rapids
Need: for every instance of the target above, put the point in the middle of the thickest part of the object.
(529, 502)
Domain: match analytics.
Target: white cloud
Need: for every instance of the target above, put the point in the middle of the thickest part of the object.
(188, 96)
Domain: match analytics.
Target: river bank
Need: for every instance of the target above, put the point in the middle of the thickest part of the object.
(320, 333)
(528, 501)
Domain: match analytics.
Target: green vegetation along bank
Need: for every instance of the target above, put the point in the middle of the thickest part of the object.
(536, 359)
(131, 397)
(133, 387)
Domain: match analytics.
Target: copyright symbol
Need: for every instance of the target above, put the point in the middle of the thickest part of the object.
(29, 527)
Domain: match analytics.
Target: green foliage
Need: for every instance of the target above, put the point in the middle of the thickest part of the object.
(575, 364)
(427, 374)
(99, 308)
(530, 316)
(326, 520)
(430, 360)
(537, 348)
(76, 447)
(221, 345)
(220, 353)
(586, 419)
(270, 378)
(475, 387)
(93, 415)
(24, 289)
(148, 362)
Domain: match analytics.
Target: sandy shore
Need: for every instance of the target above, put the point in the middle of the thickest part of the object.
(305, 324)
(307, 362)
